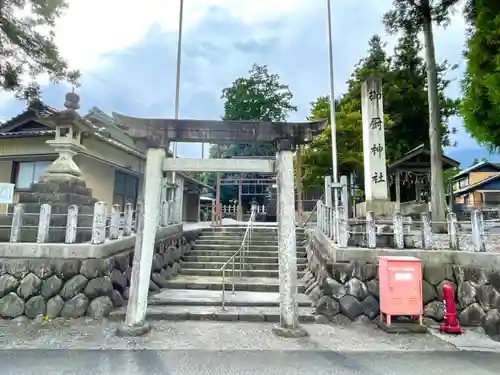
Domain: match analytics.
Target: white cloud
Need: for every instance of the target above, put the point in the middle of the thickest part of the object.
(92, 28)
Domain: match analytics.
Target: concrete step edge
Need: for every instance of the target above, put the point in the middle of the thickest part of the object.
(221, 258)
(218, 303)
(272, 315)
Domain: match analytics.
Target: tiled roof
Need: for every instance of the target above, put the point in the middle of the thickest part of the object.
(38, 109)
(27, 133)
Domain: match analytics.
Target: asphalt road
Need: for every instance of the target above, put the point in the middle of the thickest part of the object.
(192, 362)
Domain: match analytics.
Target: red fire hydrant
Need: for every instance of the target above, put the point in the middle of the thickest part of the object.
(450, 324)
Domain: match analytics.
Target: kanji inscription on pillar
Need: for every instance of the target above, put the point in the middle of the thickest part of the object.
(374, 140)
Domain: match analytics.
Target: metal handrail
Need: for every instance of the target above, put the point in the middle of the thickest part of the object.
(311, 213)
(241, 253)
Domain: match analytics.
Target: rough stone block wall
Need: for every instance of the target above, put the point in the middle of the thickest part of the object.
(351, 290)
(72, 288)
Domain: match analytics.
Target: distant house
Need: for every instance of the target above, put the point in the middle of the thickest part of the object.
(112, 164)
(477, 186)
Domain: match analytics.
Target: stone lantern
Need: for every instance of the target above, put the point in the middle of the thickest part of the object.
(62, 185)
(69, 127)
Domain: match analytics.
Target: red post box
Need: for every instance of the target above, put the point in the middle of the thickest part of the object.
(400, 280)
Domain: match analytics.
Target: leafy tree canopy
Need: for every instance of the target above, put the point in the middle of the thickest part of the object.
(481, 85)
(25, 50)
(405, 105)
(317, 156)
(411, 15)
(259, 96)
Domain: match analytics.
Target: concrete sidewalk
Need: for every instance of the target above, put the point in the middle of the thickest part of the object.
(87, 334)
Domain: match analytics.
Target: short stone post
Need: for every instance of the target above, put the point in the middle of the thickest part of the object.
(99, 223)
(44, 223)
(453, 231)
(328, 191)
(17, 223)
(344, 195)
(319, 208)
(135, 320)
(164, 214)
(328, 222)
(343, 235)
(409, 223)
(325, 219)
(333, 224)
(478, 231)
(71, 224)
(180, 202)
(114, 225)
(171, 212)
(287, 244)
(128, 219)
(398, 230)
(426, 230)
(371, 230)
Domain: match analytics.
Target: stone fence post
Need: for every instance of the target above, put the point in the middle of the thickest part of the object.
(478, 231)
(426, 230)
(398, 231)
(72, 224)
(343, 234)
(453, 231)
(99, 223)
(371, 230)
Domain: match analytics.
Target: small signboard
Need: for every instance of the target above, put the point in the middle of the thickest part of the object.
(6, 193)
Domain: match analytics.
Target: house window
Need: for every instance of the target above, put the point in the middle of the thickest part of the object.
(463, 182)
(125, 189)
(28, 172)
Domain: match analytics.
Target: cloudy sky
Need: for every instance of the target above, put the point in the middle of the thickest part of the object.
(126, 50)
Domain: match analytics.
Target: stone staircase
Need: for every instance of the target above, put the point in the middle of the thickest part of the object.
(195, 294)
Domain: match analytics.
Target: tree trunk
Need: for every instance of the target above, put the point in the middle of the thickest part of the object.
(437, 183)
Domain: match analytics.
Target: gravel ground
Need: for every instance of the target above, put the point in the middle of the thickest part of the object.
(265, 362)
(89, 334)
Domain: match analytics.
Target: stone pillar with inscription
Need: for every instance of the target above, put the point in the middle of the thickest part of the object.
(374, 153)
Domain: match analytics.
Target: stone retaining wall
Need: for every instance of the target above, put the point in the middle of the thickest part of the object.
(342, 288)
(72, 288)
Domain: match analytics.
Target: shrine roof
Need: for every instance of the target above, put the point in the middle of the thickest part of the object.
(419, 158)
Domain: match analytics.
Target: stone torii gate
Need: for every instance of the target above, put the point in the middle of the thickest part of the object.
(157, 133)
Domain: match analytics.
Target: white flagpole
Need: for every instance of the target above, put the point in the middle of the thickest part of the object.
(178, 77)
(333, 125)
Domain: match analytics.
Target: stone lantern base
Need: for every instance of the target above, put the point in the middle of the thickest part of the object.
(60, 193)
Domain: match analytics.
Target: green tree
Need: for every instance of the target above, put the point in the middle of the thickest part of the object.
(317, 156)
(404, 81)
(480, 107)
(376, 63)
(259, 96)
(407, 101)
(414, 16)
(26, 51)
